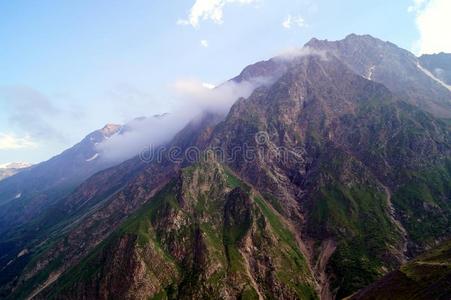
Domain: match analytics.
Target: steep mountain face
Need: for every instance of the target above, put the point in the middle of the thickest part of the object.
(355, 175)
(426, 277)
(27, 199)
(205, 235)
(313, 187)
(396, 68)
(272, 68)
(439, 65)
(79, 222)
(11, 169)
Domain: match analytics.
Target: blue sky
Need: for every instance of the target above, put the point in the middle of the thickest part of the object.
(69, 67)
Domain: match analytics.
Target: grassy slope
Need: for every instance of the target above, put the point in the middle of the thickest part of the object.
(424, 202)
(426, 277)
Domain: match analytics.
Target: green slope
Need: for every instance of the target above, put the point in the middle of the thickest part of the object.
(426, 277)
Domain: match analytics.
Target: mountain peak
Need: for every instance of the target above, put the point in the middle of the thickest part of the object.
(350, 38)
(396, 68)
(110, 129)
(360, 36)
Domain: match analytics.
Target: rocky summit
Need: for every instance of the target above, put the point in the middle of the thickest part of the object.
(329, 181)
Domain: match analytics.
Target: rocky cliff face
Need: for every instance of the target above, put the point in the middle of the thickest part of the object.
(313, 187)
(205, 235)
(344, 182)
(396, 68)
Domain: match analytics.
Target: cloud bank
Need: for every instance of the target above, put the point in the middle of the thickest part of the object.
(192, 99)
(433, 22)
(12, 142)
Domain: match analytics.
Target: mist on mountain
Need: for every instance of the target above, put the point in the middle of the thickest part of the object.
(193, 99)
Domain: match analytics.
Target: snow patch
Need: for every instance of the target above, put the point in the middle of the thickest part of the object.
(433, 77)
(370, 72)
(93, 157)
(22, 253)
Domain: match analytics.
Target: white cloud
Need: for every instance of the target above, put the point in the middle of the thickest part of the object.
(294, 53)
(15, 165)
(204, 43)
(433, 21)
(31, 111)
(416, 5)
(200, 96)
(291, 21)
(10, 142)
(212, 10)
(208, 85)
(193, 97)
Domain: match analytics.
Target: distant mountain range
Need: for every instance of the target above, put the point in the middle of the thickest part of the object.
(10, 169)
(321, 184)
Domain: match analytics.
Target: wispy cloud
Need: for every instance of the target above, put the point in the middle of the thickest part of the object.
(193, 98)
(11, 142)
(31, 111)
(212, 10)
(128, 100)
(433, 23)
(416, 5)
(294, 53)
(204, 43)
(293, 21)
(208, 85)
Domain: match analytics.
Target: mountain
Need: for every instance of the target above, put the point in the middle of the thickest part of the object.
(425, 277)
(316, 185)
(28, 193)
(356, 175)
(192, 241)
(439, 65)
(8, 170)
(396, 68)
(92, 211)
